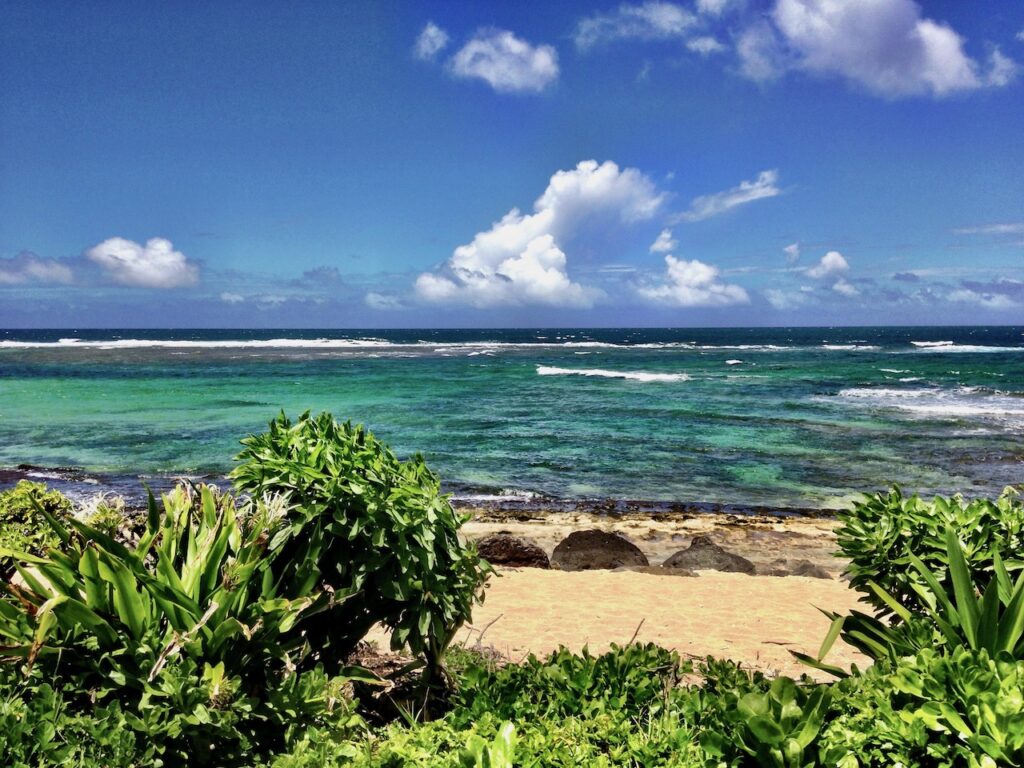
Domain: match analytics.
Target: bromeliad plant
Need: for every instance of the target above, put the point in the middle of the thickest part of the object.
(188, 629)
(369, 526)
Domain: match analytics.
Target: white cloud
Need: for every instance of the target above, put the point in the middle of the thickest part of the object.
(430, 41)
(713, 7)
(845, 288)
(665, 243)
(705, 45)
(760, 53)
(382, 301)
(832, 263)
(792, 252)
(646, 21)
(519, 260)
(706, 206)
(693, 284)
(232, 298)
(885, 46)
(1020, 35)
(507, 63)
(985, 300)
(784, 299)
(1001, 69)
(153, 265)
(27, 267)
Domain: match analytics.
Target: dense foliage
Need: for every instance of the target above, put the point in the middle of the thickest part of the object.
(369, 526)
(881, 533)
(22, 525)
(216, 632)
(187, 630)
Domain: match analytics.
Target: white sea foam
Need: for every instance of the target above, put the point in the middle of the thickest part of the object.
(850, 347)
(950, 347)
(931, 344)
(938, 403)
(734, 362)
(548, 370)
(894, 370)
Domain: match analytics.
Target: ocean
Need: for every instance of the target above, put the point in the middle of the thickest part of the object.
(783, 418)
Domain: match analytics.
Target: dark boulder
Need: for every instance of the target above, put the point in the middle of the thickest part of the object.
(593, 549)
(704, 555)
(512, 551)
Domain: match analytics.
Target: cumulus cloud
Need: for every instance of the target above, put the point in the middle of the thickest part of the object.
(906, 277)
(831, 264)
(792, 252)
(705, 45)
(885, 46)
(153, 265)
(692, 284)
(520, 260)
(232, 298)
(430, 42)
(664, 243)
(845, 288)
(505, 62)
(706, 206)
(646, 21)
(27, 267)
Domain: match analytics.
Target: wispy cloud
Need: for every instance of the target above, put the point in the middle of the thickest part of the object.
(646, 21)
(27, 267)
(1009, 228)
(706, 206)
(430, 42)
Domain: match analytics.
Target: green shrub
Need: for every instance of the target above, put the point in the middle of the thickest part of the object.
(368, 526)
(22, 527)
(879, 535)
(634, 679)
(957, 613)
(188, 630)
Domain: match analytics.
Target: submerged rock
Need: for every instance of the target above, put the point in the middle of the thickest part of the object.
(704, 554)
(593, 550)
(512, 551)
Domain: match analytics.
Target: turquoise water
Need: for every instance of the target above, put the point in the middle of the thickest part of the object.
(778, 417)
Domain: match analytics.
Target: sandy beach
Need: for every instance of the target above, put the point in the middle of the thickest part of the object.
(756, 620)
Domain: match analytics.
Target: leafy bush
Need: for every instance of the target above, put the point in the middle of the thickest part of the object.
(879, 535)
(634, 679)
(957, 613)
(778, 727)
(22, 527)
(188, 630)
(367, 526)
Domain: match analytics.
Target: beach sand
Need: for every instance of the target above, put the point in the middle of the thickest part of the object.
(755, 620)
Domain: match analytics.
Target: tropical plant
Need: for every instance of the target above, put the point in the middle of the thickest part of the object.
(22, 527)
(958, 612)
(881, 533)
(367, 526)
(188, 629)
(778, 727)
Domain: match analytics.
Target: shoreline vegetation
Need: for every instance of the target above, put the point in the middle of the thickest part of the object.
(252, 627)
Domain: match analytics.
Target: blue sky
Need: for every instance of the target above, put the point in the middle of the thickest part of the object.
(710, 162)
